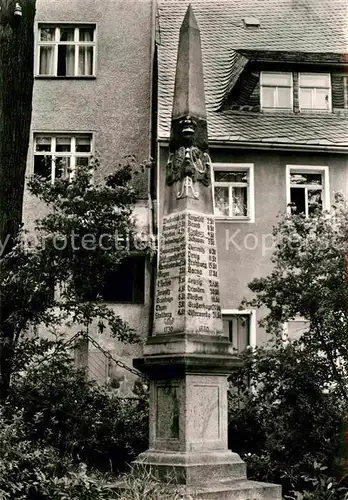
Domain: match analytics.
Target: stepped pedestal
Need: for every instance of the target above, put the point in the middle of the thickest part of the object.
(188, 420)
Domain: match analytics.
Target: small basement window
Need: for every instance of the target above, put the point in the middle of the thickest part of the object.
(240, 328)
(237, 329)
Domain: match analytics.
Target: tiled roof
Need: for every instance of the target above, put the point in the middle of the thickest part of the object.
(312, 26)
(288, 128)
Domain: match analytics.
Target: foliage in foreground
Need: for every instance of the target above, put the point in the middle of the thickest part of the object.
(286, 413)
(309, 280)
(32, 470)
(74, 247)
(283, 421)
(75, 416)
(62, 436)
(290, 405)
(57, 427)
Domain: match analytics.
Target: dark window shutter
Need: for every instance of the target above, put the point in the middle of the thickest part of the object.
(337, 83)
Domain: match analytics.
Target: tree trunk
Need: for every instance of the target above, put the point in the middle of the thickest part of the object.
(16, 88)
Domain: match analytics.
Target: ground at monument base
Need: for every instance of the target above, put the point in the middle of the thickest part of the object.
(233, 490)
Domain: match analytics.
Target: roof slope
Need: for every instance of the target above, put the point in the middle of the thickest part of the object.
(285, 25)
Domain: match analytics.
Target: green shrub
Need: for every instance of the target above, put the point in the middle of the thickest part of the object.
(32, 470)
(35, 471)
(284, 417)
(75, 416)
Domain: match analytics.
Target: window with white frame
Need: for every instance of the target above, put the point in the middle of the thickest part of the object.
(307, 189)
(66, 50)
(276, 90)
(240, 328)
(59, 155)
(315, 91)
(234, 191)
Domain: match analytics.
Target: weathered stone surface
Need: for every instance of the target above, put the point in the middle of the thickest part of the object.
(227, 490)
(189, 414)
(187, 298)
(188, 358)
(189, 98)
(195, 469)
(236, 490)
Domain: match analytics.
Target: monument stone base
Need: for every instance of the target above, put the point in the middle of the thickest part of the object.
(193, 468)
(238, 489)
(188, 450)
(198, 476)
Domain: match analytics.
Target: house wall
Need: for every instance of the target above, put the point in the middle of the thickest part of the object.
(114, 106)
(244, 249)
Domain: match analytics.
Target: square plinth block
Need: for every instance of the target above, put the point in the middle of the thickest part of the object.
(189, 414)
(188, 432)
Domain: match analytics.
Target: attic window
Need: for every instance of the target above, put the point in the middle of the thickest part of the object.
(315, 91)
(251, 22)
(276, 90)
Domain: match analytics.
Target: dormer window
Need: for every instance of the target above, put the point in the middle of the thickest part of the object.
(315, 91)
(276, 90)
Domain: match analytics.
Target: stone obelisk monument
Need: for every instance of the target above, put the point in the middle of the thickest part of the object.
(187, 358)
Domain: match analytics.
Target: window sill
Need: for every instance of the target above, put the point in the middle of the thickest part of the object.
(277, 110)
(220, 218)
(49, 77)
(307, 112)
(314, 110)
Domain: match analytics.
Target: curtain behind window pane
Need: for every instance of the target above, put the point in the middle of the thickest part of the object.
(306, 98)
(83, 144)
(86, 34)
(46, 61)
(237, 329)
(240, 204)
(85, 61)
(242, 325)
(221, 201)
(268, 97)
(86, 52)
(322, 99)
(284, 97)
(62, 165)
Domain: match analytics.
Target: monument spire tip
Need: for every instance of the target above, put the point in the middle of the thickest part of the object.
(190, 19)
